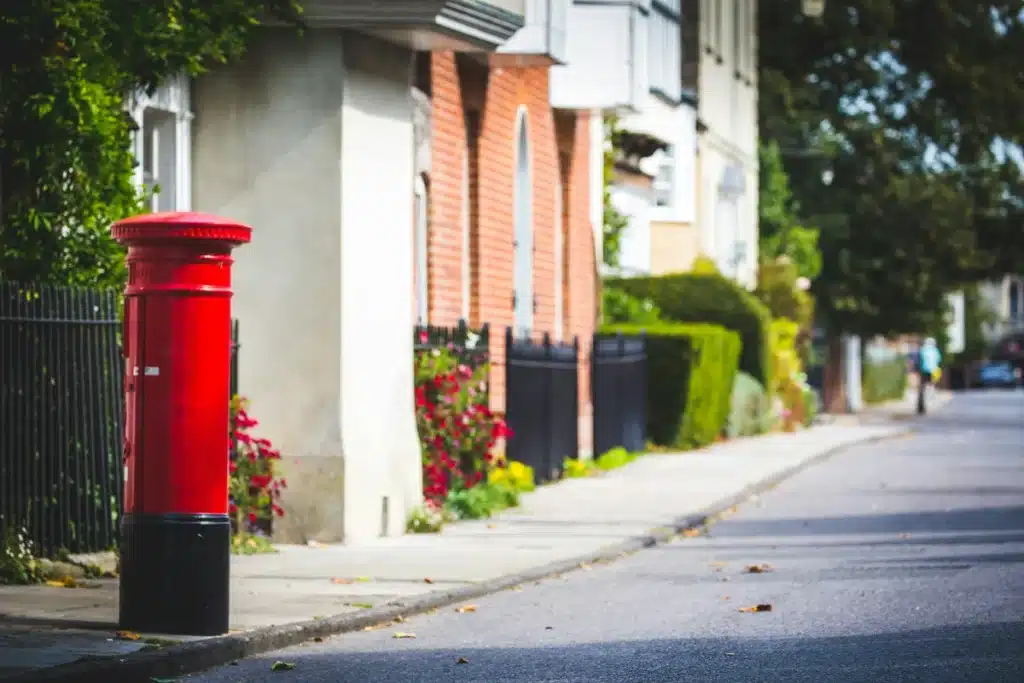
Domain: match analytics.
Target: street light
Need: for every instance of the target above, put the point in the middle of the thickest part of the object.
(814, 8)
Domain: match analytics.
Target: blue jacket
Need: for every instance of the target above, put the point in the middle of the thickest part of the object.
(929, 358)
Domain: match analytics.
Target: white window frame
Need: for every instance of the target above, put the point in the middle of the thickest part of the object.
(523, 238)
(421, 264)
(664, 49)
(173, 99)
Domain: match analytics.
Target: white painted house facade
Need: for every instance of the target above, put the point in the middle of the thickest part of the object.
(625, 59)
(309, 139)
(721, 65)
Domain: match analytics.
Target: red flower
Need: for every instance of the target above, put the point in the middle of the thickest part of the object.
(278, 510)
(253, 518)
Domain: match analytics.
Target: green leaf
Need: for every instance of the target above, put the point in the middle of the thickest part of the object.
(282, 666)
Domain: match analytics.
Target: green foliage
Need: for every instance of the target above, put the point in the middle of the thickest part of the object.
(18, 566)
(65, 161)
(574, 468)
(515, 475)
(690, 371)
(615, 458)
(750, 410)
(892, 141)
(778, 290)
(426, 520)
(884, 380)
(781, 231)
(713, 299)
(704, 265)
(619, 307)
(614, 221)
(480, 501)
(251, 544)
(812, 405)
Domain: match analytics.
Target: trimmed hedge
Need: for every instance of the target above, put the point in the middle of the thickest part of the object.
(690, 372)
(715, 299)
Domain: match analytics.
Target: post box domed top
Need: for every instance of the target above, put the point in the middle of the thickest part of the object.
(180, 226)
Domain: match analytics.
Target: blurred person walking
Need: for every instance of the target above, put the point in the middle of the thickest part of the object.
(929, 359)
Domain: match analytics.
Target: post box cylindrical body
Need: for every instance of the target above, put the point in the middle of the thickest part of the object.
(175, 528)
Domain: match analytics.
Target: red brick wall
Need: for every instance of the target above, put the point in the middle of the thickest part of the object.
(447, 156)
(497, 96)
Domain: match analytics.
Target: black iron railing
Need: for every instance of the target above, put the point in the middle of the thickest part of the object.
(618, 388)
(61, 407)
(542, 403)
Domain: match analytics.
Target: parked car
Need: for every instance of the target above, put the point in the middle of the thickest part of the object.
(998, 374)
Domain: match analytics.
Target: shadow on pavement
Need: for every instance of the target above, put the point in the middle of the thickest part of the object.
(988, 653)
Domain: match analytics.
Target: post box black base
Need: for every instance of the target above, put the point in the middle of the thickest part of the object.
(175, 574)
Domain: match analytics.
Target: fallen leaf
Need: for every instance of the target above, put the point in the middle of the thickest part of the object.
(361, 605)
(400, 635)
(490, 526)
(725, 597)
(690, 533)
(127, 635)
(758, 568)
(549, 628)
(428, 581)
(462, 660)
(282, 666)
(756, 608)
(316, 544)
(342, 582)
(719, 564)
(584, 566)
(318, 639)
(904, 535)
(465, 608)
(363, 579)
(400, 619)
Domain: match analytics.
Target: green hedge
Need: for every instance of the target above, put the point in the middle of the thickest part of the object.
(690, 371)
(884, 380)
(711, 298)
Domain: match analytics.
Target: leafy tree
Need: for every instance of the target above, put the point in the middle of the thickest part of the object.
(893, 120)
(614, 220)
(781, 230)
(65, 161)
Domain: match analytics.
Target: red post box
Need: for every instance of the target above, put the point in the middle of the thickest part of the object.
(175, 528)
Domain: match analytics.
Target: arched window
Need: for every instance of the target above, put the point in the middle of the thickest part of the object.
(523, 198)
(421, 261)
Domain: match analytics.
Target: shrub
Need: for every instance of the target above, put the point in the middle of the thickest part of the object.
(714, 299)
(690, 370)
(618, 307)
(253, 486)
(18, 565)
(779, 291)
(704, 265)
(615, 458)
(884, 380)
(458, 432)
(480, 501)
(788, 379)
(515, 475)
(750, 408)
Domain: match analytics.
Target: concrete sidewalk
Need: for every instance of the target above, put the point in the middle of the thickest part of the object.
(560, 523)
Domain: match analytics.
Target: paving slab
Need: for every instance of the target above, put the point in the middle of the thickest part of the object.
(570, 519)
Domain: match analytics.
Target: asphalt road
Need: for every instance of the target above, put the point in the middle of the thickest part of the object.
(901, 561)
